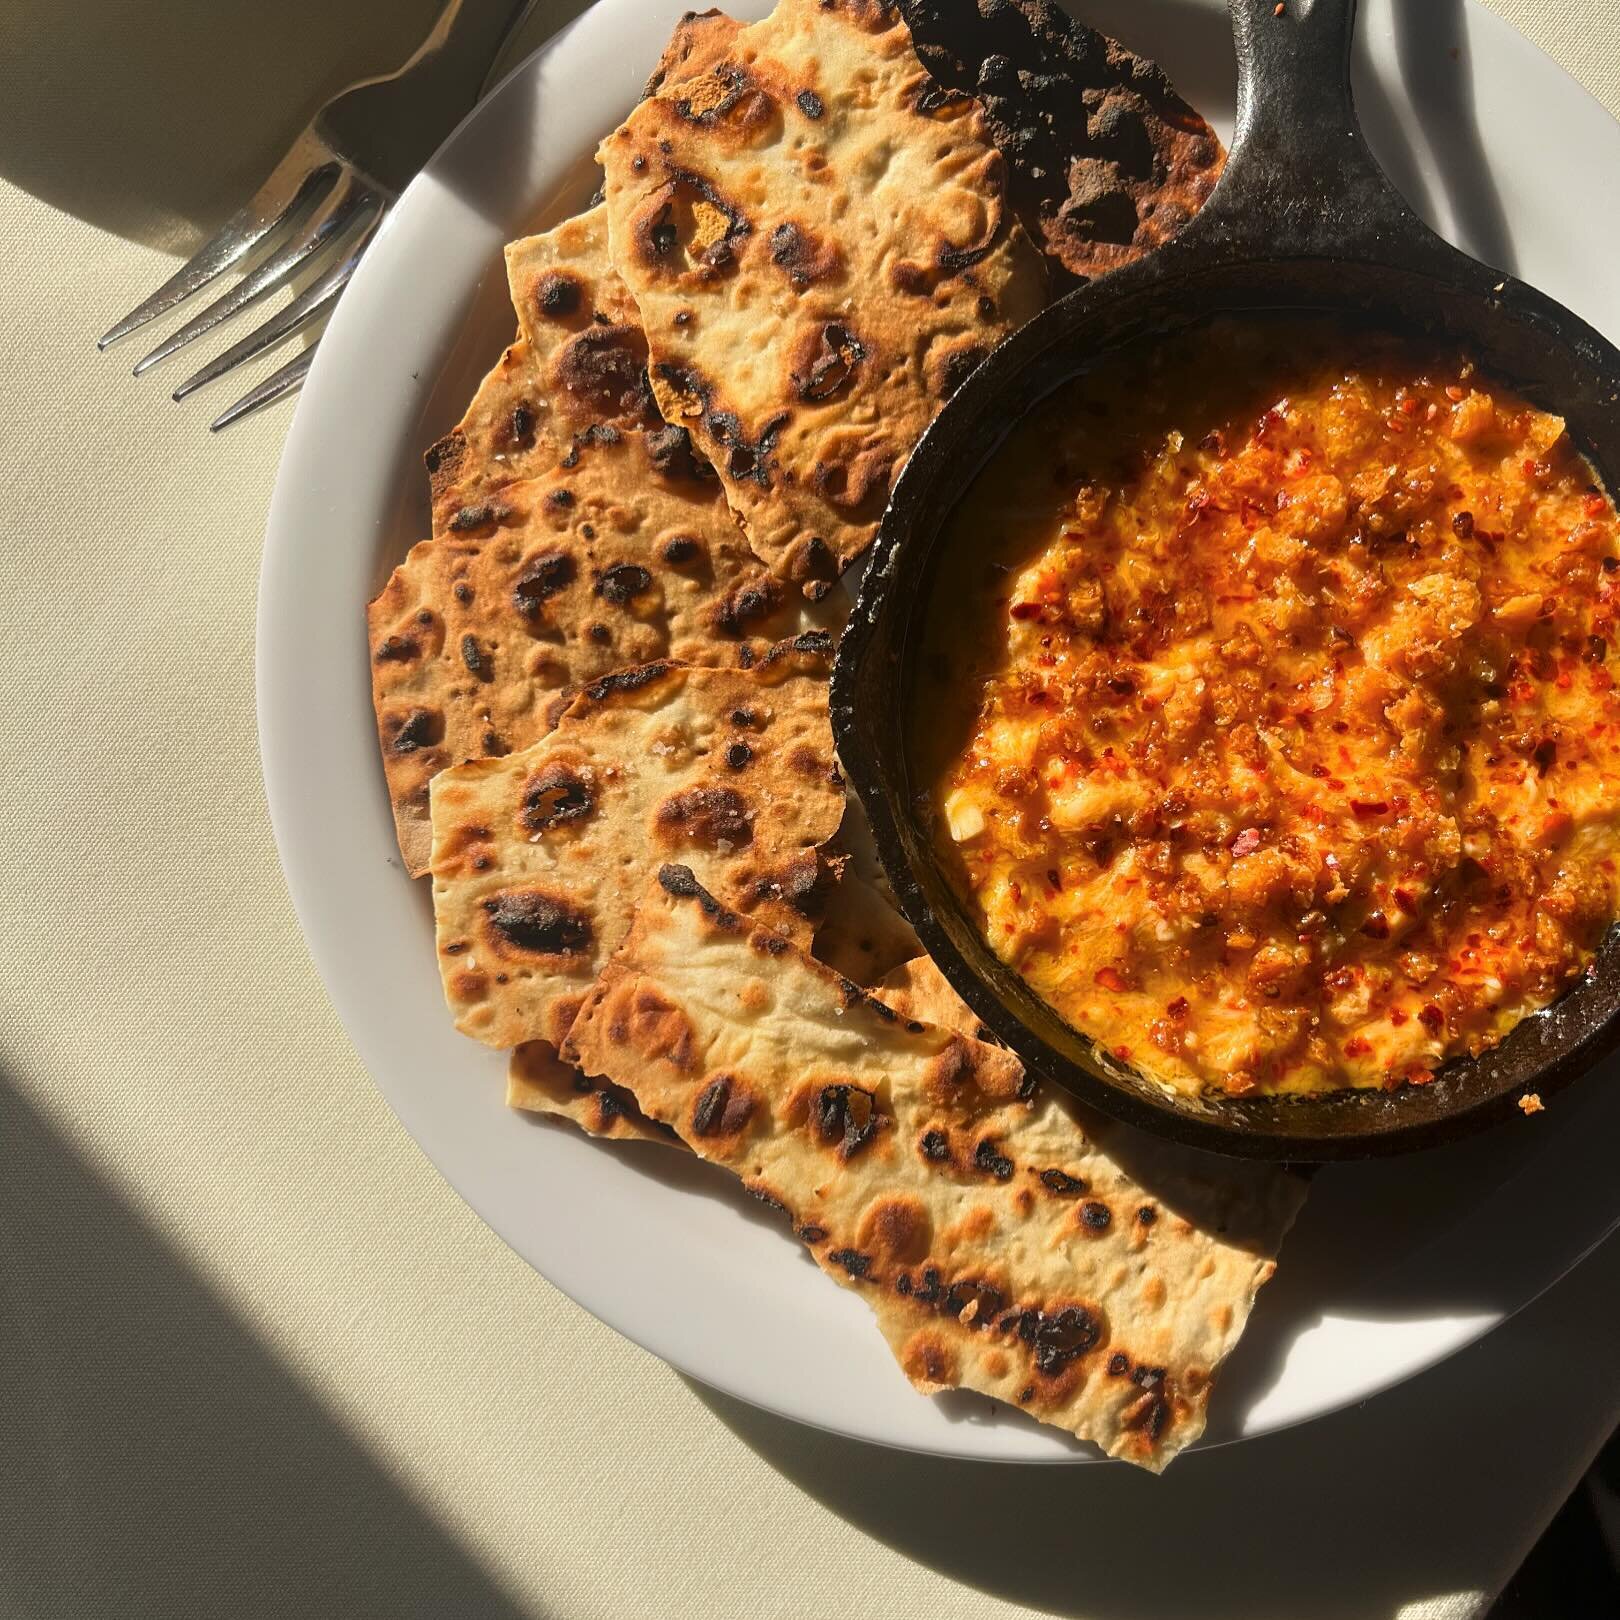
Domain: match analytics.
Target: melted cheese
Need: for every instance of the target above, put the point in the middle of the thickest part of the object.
(1278, 747)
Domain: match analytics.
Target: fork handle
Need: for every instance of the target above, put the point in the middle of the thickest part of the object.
(455, 58)
(407, 114)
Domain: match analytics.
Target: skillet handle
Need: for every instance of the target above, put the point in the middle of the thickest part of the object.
(1301, 181)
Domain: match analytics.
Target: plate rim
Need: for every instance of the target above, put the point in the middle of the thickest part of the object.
(278, 751)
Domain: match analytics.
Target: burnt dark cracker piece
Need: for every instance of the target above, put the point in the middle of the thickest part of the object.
(1105, 160)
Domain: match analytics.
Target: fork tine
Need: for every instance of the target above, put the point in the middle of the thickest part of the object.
(312, 302)
(292, 182)
(284, 381)
(334, 213)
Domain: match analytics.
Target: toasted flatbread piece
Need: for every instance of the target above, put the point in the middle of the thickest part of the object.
(862, 935)
(699, 43)
(1000, 1250)
(579, 366)
(539, 858)
(820, 250)
(1106, 161)
(495, 443)
(550, 384)
(539, 1082)
(624, 556)
(565, 289)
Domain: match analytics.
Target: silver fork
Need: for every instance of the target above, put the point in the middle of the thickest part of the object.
(325, 200)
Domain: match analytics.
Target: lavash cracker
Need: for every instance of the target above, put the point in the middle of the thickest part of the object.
(621, 552)
(539, 1082)
(860, 934)
(818, 243)
(538, 857)
(700, 42)
(1001, 1251)
(579, 360)
(579, 366)
(1105, 161)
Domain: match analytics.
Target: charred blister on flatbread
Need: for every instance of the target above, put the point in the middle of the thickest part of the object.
(727, 97)
(478, 663)
(480, 515)
(688, 225)
(950, 365)
(752, 601)
(605, 367)
(558, 295)
(742, 458)
(712, 817)
(826, 361)
(544, 575)
(669, 449)
(723, 1108)
(413, 730)
(555, 796)
(846, 1118)
(988, 1157)
(531, 922)
(622, 583)
(803, 256)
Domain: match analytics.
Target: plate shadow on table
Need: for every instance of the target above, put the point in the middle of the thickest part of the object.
(155, 1460)
(1038, 1534)
(1225, 1533)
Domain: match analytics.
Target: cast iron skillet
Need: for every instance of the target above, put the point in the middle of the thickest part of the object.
(1303, 218)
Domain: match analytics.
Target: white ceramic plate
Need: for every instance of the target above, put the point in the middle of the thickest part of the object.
(1392, 1266)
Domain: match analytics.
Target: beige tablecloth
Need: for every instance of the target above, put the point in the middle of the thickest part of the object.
(256, 1359)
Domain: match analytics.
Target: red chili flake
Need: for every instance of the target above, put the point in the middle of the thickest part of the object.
(1369, 807)
(1397, 1017)
(1053, 877)
(1025, 610)
(1431, 1017)
(1357, 1047)
(1123, 1053)
(1319, 771)
(1110, 979)
(1420, 1077)
(1246, 843)
(1178, 1007)
(1406, 900)
(1595, 505)
(1376, 925)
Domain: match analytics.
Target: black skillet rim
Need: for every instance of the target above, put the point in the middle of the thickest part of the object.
(1386, 242)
